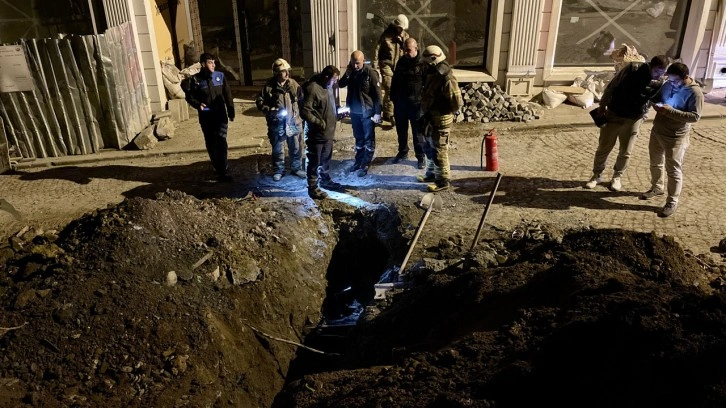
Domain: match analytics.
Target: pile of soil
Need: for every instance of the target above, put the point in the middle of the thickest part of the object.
(597, 318)
(167, 302)
(184, 302)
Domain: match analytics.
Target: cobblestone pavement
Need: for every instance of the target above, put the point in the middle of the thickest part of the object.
(544, 165)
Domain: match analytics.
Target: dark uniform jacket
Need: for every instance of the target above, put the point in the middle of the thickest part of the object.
(212, 90)
(628, 92)
(319, 111)
(364, 92)
(408, 80)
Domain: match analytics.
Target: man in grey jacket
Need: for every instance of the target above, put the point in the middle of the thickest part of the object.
(678, 105)
(318, 110)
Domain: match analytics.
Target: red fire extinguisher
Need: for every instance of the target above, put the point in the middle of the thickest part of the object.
(492, 155)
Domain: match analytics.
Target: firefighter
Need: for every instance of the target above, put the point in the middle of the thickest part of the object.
(440, 100)
(279, 101)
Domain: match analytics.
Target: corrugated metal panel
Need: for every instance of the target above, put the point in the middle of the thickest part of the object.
(525, 29)
(325, 36)
(117, 12)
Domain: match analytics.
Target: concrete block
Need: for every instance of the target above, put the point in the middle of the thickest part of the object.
(145, 140)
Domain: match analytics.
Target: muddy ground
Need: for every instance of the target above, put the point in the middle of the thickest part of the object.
(191, 293)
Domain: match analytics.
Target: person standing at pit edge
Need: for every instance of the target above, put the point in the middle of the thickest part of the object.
(679, 104)
(388, 51)
(625, 104)
(364, 101)
(318, 110)
(440, 99)
(406, 96)
(211, 96)
(278, 100)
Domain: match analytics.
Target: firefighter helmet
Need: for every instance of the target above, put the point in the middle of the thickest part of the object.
(433, 54)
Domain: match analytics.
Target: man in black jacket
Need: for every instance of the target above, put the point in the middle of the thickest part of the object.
(211, 96)
(406, 96)
(318, 110)
(624, 104)
(364, 101)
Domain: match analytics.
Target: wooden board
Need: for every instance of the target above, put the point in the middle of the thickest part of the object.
(567, 89)
(4, 155)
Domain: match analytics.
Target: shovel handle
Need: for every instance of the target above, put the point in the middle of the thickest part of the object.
(486, 211)
(415, 239)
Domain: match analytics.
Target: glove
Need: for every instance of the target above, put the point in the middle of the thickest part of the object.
(376, 118)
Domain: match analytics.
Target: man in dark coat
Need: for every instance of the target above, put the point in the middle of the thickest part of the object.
(364, 101)
(211, 96)
(406, 96)
(318, 110)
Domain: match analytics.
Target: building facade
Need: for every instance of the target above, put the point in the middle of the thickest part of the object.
(524, 45)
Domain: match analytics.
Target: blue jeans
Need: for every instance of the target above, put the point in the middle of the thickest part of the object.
(278, 138)
(365, 139)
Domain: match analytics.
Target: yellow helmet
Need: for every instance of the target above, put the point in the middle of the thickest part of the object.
(280, 65)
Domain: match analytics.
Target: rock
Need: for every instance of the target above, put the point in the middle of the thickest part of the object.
(24, 298)
(171, 278)
(214, 275)
(244, 271)
(185, 275)
(164, 129)
(722, 245)
(145, 140)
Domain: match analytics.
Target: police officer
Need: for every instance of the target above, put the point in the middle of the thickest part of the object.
(211, 96)
(279, 100)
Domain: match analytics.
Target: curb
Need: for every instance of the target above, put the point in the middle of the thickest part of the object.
(95, 158)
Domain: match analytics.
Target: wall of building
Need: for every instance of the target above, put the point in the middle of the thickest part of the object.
(142, 21)
(162, 23)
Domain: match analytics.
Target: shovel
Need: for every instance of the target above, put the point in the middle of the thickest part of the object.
(430, 202)
(483, 217)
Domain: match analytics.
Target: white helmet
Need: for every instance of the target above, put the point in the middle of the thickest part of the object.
(401, 21)
(433, 54)
(280, 65)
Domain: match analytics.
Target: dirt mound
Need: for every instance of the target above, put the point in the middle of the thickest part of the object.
(167, 302)
(602, 318)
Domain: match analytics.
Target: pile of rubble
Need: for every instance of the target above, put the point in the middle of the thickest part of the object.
(485, 104)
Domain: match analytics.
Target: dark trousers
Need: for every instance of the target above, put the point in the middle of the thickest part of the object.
(215, 139)
(407, 113)
(365, 139)
(319, 155)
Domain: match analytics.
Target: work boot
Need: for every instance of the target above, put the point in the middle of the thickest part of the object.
(615, 184)
(400, 157)
(362, 171)
(594, 180)
(668, 210)
(421, 162)
(354, 167)
(317, 194)
(277, 177)
(329, 184)
(439, 186)
(426, 178)
(300, 173)
(224, 178)
(652, 193)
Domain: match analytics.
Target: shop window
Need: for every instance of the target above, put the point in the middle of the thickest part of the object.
(459, 27)
(589, 30)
